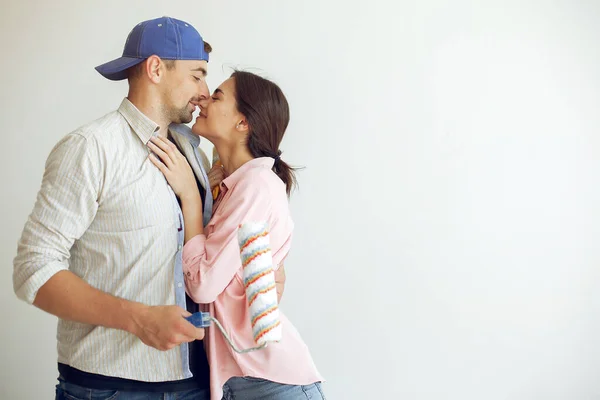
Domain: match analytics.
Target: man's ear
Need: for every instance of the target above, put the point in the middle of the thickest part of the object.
(154, 69)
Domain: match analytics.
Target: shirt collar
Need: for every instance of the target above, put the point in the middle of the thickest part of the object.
(236, 176)
(143, 126)
(186, 131)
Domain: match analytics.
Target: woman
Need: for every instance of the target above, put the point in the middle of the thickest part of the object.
(245, 120)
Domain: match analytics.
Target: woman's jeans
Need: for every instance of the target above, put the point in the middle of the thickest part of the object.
(248, 388)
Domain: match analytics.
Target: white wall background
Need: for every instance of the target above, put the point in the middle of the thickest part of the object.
(448, 220)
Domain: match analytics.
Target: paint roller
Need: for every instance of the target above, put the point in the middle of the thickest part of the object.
(259, 283)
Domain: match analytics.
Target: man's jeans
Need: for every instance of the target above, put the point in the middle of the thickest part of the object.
(69, 391)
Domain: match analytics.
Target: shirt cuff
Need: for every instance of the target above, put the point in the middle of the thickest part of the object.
(29, 288)
(192, 250)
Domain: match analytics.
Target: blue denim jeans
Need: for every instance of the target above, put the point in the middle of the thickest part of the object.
(69, 391)
(248, 388)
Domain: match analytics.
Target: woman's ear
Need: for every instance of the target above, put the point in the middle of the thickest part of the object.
(242, 126)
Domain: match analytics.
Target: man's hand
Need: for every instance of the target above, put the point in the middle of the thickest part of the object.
(70, 298)
(164, 327)
(279, 282)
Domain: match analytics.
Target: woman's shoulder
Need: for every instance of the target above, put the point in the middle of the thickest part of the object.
(261, 184)
(262, 176)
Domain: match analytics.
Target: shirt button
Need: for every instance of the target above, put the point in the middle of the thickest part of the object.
(179, 248)
(180, 285)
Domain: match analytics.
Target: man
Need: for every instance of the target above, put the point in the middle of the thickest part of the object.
(102, 247)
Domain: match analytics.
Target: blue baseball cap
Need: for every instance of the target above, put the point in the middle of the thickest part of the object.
(167, 38)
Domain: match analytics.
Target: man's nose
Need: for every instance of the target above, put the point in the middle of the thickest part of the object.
(203, 95)
(202, 102)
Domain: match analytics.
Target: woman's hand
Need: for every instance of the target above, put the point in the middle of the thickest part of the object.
(174, 167)
(279, 281)
(216, 175)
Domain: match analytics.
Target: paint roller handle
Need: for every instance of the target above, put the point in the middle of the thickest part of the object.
(200, 319)
(203, 320)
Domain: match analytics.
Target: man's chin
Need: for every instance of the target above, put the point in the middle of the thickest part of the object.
(184, 119)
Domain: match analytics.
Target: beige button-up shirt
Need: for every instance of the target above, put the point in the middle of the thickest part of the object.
(107, 214)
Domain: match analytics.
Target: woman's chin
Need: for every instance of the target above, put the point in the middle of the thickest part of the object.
(197, 129)
(200, 129)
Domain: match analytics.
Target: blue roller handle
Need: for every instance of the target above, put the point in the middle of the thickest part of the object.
(200, 319)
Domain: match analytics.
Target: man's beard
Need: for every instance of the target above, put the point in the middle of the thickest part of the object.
(182, 116)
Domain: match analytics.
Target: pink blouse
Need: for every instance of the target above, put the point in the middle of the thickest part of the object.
(213, 273)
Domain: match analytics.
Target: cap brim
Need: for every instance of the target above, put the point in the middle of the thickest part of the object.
(116, 70)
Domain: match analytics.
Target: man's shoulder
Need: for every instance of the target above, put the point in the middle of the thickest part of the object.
(96, 130)
(92, 138)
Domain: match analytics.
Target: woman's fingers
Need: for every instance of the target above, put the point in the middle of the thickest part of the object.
(162, 155)
(216, 176)
(159, 164)
(168, 149)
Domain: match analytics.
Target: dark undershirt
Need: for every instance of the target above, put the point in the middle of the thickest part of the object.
(198, 362)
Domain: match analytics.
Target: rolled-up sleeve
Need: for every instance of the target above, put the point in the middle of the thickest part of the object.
(65, 207)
